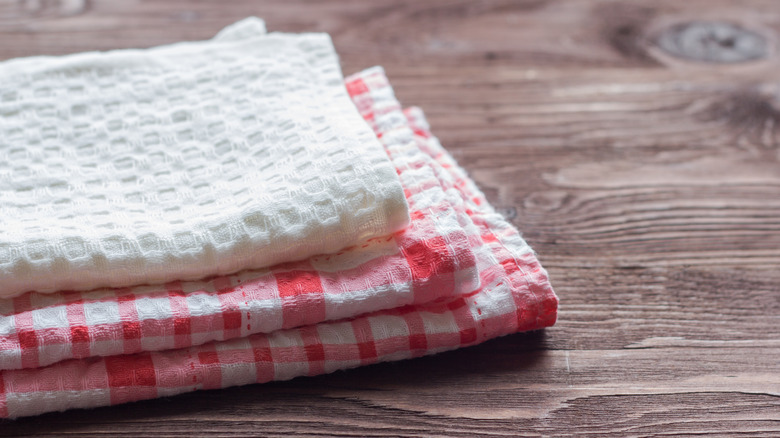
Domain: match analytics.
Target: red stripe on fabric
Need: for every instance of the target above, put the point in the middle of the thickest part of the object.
(302, 297)
(131, 377)
(509, 265)
(131, 328)
(312, 346)
(232, 320)
(180, 312)
(430, 257)
(210, 366)
(130, 370)
(489, 237)
(181, 327)
(79, 332)
(3, 402)
(264, 361)
(230, 308)
(418, 340)
(28, 339)
(421, 133)
(468, 336)
(416, 215)
(356, 87)
(208, 357)
(315, 352)
(296, 283)
(432, 266)
(465, 321)
(364, 337)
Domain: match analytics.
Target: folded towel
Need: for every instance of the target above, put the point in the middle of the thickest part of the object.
(513, 295)
(184, 161)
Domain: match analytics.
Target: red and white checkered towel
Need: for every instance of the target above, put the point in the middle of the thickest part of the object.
(458, 276)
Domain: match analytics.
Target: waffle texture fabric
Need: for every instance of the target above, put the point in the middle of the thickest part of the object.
(184, 161)
(504, 290)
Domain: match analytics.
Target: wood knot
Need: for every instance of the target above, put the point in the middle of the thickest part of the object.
(713, 41)
(14, 12)
(753, 114)
(624, 27)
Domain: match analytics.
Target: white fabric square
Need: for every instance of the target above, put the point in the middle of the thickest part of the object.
(101, 313)
(387, 326)
(50, 317)
(337, 334)
(436, 323)
(203, 304)
(153, 308)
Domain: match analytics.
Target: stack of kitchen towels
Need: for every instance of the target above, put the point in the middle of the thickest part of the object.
(233, 211)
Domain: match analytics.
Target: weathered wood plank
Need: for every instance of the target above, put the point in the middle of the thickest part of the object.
(647, 181)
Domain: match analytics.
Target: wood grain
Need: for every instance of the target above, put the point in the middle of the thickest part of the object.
(647, 179)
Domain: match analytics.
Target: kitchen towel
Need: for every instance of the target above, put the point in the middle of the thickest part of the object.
(513, 294)
(184, 161)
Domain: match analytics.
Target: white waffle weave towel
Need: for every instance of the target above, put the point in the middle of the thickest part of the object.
(184, 161)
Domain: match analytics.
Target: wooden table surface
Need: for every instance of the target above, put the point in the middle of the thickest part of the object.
(635, 144)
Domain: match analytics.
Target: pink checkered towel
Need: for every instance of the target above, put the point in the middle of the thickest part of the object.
(458, 276)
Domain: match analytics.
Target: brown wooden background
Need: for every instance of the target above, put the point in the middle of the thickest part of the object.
(648, 182)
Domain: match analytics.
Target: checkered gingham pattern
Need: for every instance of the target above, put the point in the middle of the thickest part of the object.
(459, 276)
